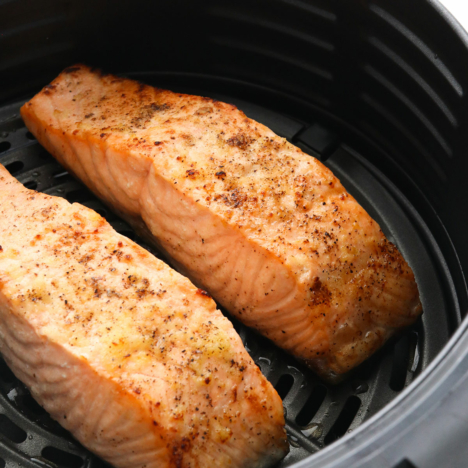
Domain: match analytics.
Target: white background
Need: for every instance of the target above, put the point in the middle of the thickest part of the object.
(459, 9)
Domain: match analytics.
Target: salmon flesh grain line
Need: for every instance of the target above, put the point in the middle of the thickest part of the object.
(127, 354)
(268, 230)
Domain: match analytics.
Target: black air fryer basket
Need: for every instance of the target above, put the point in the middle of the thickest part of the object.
(377, 90)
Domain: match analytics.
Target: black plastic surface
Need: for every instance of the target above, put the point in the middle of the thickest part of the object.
(377, 90)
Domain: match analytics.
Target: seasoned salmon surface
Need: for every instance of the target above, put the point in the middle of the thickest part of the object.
(268, 230)
(128, 355)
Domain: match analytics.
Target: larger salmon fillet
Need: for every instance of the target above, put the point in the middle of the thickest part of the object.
(267, 229)
(123, 351)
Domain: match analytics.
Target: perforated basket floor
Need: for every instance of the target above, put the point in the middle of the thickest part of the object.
(317, 414)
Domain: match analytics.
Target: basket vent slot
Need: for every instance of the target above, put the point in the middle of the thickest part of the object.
(10, 430)
(31, 185)
(78, 195)
(311, 406)
(4, 146)
(346, 417)
(32, 405)
(401, 352)
(405, 464)
(62, 458)
(284, 385)
(14, 167)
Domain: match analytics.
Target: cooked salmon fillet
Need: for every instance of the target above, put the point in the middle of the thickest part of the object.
(128, 355)
(268, 230)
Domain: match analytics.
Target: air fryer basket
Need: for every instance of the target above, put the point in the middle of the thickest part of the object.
(377, 91)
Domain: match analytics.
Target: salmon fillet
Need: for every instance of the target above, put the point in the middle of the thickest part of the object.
(268, 230)
(128, 355)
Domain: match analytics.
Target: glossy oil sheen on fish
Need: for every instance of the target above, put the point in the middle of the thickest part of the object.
(268, 230)
(128, 355)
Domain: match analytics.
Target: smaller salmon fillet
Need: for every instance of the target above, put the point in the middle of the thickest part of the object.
(268, 230)
(128, 355)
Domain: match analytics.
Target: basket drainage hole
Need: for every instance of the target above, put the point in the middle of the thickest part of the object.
(346, 417)
(405, 464)
(32, 405)
(2, 463)
(78, 195)
(10, 430)
(284, 385)
(4, 146)
(62, 458)
(14, 167)
(311, 406)
(30, 136)
(31, 185)
(401, 352)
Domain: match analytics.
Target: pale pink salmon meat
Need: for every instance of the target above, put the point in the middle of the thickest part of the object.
(128, 355)
(268, 230)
